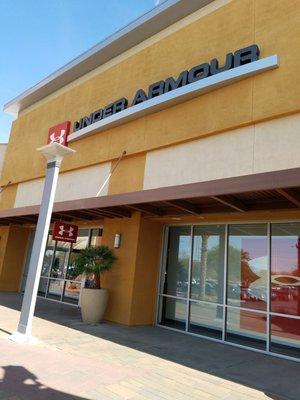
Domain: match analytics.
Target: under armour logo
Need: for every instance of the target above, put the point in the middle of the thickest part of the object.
(58, 138)
(59, 133)
(62, 230)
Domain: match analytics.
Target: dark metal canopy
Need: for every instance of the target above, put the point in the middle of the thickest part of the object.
(270, 191)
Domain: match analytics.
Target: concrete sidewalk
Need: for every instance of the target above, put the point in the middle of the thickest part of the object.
(78, 361)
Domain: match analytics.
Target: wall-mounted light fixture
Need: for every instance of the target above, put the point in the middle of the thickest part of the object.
(117, 242)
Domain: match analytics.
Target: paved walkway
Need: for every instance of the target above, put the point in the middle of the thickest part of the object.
(106, 361)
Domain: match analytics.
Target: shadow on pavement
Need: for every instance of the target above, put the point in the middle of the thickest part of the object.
(20, 384)
(278, 378)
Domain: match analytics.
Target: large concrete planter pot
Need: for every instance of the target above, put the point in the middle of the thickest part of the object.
(93, 305)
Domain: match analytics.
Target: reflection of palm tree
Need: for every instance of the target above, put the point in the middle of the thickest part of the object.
(203, 263)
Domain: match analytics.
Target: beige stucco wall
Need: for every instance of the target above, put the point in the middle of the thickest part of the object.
(72, 185)
(268, 146)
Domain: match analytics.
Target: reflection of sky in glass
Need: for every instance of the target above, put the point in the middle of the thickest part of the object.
(259, 263)
(257, 249)
(285, 255)
(256, 246)
(184, 246)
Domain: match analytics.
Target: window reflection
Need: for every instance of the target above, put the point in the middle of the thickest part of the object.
(208, 263)
(96, 237)
(48, 257)
(72, 292)
(175, 281)
(60, 260)
(246, 327)
(285, 268)
(55, 289)
(206, 319)
(59, 280)
(82, 243)
(285, 336)
(173, 313)
(43, 287)
(248, 266)
(251, 250)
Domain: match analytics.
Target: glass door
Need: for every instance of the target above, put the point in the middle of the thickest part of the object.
(58, 270)
(174, 283)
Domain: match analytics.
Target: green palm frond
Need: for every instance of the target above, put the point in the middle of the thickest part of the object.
(94, 260)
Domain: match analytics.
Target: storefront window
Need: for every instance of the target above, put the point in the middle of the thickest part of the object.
(173, 313)
(55, 289)
(285, 336)
(247, 266)
(42, 290)
(60, 260)
(261, 305)
(175, 281)
(82, 242)
(59, 280)
(72, 291)
(208, 263)
(47, 263)
(247, 328)
(285, 268)
(96, 235)
(206, 319)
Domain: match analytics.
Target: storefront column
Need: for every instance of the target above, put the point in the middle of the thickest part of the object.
(54, 154)
(132, 282)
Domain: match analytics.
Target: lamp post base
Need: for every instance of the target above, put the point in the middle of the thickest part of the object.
(18, 337)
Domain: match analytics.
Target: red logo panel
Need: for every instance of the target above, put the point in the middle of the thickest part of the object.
(65, 232)
(59, 133)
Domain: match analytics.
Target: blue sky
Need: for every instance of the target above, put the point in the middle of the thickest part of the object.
(38, 37)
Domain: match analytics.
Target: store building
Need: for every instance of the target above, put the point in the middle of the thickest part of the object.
(204, 98)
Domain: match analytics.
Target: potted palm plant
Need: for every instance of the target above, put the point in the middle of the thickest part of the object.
(91, 262)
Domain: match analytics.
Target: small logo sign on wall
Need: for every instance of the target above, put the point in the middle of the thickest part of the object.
(59, 133)
(65, 232)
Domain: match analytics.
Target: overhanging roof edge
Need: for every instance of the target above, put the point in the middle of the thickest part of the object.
(257, 182)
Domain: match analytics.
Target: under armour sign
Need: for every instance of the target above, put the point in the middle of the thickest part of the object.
(65, 232)
(59, 133)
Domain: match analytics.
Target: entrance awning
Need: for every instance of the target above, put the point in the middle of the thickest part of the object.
(277, 190)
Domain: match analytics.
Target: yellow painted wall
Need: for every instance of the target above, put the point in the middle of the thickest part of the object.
(8, 196)
(128, 176)
(120, 279)
(272, 24)
(4, 232)
(13, 257)
(144, 294)
(132, 282)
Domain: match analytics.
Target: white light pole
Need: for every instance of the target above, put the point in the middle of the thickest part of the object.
(54, 154)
